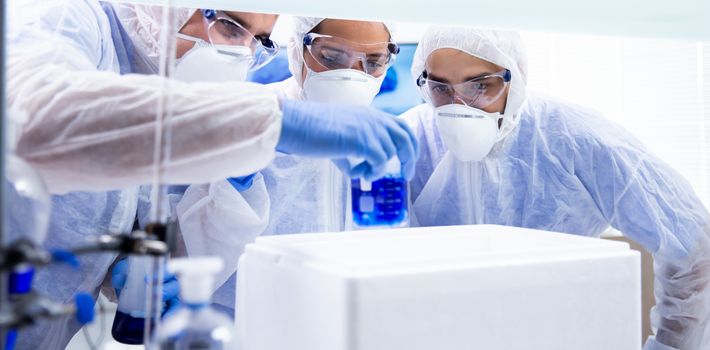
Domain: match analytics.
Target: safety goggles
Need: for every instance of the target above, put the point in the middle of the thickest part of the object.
(337, 53)
(224, 31)
(478, 92)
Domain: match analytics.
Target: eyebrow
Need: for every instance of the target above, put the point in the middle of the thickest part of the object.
(377, 54)
(236, 18)
(437, 78)
(332, 48)
(479, 76)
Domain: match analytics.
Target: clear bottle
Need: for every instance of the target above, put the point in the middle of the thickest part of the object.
(196, 325)
(129, 322)
(382, 203)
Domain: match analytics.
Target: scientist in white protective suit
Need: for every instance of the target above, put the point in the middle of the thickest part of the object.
(494, 154)
(334, 61)
(83, 88)
(83, 91)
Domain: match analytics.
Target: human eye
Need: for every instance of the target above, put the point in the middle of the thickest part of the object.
(331, 55)
(375, 64)
(480, 86)
(441, 88)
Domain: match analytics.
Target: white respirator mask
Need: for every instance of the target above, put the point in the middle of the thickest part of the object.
(341, 86)
(205, 62)
(469, 133)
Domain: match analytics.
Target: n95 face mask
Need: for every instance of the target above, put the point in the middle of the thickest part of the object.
(467, 132)
(341, 86)
(205, 62)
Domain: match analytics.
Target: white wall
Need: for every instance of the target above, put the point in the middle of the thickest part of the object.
(657, 89)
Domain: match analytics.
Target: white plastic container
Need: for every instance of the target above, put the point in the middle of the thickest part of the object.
(456, 287)
(195, 325)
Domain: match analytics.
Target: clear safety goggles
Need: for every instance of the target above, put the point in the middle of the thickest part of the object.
(224, 31)
(337, 53)
(478, 92)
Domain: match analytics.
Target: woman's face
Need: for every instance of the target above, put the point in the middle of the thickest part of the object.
(368, 38)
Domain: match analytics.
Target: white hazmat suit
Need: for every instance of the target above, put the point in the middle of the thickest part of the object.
(565, 168)
(293, 195)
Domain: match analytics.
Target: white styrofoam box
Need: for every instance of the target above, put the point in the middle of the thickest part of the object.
(455, 287)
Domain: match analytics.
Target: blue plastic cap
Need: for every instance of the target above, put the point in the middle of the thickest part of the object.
(20, 282)
(11, 339)
(84, 308)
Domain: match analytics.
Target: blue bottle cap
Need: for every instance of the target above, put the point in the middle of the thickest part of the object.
(84, 307)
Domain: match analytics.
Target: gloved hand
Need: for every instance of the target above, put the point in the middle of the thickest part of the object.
(171, 287)
(339, 132)
(243, 183)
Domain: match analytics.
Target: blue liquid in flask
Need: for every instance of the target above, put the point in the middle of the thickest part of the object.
(128, 329)
(381, 203)
(129, 322)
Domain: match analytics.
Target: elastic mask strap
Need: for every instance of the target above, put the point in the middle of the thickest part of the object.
(328, 75)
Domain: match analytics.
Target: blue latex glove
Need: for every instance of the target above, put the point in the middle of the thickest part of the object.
(275, 71)
(339, 132)
(171, 287)
(243, 183)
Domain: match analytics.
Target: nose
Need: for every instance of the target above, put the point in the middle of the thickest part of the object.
(358, 64)
(458, 99)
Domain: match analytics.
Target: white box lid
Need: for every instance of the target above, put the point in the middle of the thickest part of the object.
(430, 248)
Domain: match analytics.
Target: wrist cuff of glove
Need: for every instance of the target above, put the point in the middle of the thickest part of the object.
(243, 183)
